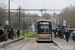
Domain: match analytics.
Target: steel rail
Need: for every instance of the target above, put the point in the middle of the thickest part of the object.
(22, 41)
(37, 46)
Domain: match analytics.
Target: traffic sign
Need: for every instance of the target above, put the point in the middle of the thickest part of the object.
(64, 22)
(7, 21)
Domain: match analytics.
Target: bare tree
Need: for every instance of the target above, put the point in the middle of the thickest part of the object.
(47, 16)
(68, 13)
(2, 12)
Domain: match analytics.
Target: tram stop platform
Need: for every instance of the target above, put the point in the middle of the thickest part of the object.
(9, 41)
(70, 45)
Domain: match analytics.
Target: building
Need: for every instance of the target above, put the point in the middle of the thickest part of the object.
(55, 20)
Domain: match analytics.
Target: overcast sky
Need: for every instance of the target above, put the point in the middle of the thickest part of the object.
(39, 4)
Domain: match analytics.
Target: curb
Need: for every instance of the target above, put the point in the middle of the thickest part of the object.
(58, 45)
(10, 42)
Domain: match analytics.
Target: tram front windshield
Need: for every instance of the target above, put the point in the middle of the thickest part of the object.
(43, 29)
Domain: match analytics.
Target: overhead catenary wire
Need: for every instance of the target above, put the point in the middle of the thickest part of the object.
(33, 4)
(30, 4)
(27, 17)
(26, 4)
(44, 4)
(2, 1)
(17, 3)
(43, 15)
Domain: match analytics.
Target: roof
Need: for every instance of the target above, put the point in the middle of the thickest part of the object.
(43, 20)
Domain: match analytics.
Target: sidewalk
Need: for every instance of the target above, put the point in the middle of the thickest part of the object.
(66, 45)
(9, 41)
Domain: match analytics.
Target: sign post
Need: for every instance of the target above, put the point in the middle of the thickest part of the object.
(64, 22)
(7, 21)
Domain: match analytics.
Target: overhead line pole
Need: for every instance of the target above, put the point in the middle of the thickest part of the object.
(9, 12)
(27, 24)
(70, 21)
(23, 23)
(19, 17)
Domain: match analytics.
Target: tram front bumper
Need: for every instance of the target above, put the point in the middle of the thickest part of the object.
(43, 39)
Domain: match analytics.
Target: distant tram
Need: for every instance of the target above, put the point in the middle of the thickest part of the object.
(44, 30)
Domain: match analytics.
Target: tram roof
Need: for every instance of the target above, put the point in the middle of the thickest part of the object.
(43, 20)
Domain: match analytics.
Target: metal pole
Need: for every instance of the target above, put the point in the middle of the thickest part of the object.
(35, 26)
(27, 25)
(23, 24)
(19, 17)
(59, 20)
(42, 14)
(70, 21)
(56, 20)
(9, 13)
(43, 17)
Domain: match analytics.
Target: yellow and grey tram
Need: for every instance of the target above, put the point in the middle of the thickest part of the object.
(44, 30)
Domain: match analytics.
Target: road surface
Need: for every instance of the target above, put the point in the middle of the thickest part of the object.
(31, 44)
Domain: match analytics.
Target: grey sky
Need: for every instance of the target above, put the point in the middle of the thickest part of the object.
(39, 4)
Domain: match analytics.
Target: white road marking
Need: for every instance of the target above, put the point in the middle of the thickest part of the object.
(59, 45)
(37, 46)
(59, 42)
(54, 47)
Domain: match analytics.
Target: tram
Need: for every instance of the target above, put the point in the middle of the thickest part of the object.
(44, 30)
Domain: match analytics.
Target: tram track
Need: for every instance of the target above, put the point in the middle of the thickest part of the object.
(10, 46)
(51, 45)
(37, 46)
(30, 43)
(17, 43)
(26, 44)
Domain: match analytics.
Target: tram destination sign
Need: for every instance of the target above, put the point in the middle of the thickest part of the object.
(44, 22)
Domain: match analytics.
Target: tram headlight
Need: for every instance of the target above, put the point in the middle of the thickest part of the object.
(37, 34)
(50, 34)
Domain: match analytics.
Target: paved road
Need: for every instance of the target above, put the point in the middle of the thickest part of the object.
(17, 45)
(40, 46)
(66, 45)
(31, 44)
